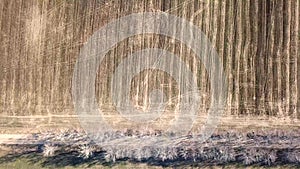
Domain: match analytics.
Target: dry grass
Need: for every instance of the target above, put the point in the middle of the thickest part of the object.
(253, 148)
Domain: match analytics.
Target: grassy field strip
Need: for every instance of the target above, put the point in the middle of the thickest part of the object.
(11, 138)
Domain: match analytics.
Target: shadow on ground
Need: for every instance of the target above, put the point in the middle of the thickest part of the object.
(34, 155)
(60, 159)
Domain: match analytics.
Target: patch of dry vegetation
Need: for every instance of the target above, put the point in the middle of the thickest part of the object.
(258, 147)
